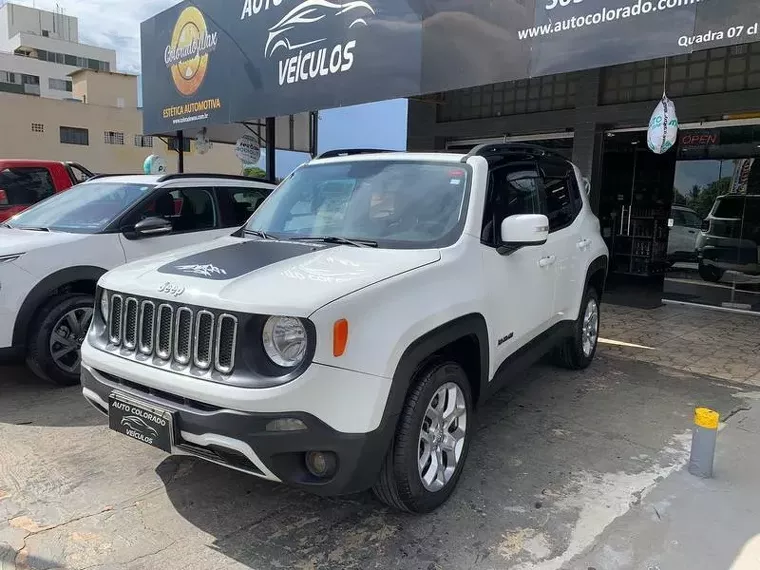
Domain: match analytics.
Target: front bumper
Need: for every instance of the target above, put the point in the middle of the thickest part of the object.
(239, 439)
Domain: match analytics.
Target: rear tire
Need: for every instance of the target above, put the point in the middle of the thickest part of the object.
(710, 273)
(434, 428)
(53, 352)
(577, 352)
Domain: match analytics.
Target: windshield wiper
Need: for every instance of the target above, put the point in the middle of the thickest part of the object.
(339, 240)
(32, 228)
(258, 233)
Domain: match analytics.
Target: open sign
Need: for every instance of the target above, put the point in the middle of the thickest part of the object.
(691, 139)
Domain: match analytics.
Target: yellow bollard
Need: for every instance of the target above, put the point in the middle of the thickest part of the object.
(703, 442)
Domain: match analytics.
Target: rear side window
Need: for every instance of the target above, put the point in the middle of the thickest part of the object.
(562, 193)
(25, 185)
(238, 203)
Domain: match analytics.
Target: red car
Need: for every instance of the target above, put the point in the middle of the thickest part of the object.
(26, 182)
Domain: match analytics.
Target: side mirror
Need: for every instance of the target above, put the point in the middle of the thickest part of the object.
(150, 227)
(523, 230)
(586, 186)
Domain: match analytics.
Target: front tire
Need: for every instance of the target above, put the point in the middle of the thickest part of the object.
(432, 439)
(56, 338)
(577, 352)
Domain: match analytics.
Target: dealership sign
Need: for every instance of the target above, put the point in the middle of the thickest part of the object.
(218, 61)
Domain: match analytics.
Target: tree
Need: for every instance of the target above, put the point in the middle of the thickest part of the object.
(704, 202)
(254, 172)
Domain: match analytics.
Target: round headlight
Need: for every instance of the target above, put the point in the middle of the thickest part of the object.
(105, 305)
(284, 341)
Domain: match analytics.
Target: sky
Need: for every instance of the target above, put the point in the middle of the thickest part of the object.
(115, 24)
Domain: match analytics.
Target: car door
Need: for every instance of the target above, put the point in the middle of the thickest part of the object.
(519, 285)
(192, 212)
(565, 245)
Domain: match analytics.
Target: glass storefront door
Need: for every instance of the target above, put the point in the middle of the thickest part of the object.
(714, 238)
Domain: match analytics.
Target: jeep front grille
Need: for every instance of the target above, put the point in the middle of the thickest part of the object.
(173, 333)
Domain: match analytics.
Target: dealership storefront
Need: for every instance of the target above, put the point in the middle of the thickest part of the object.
(578, 76)
(683, 226)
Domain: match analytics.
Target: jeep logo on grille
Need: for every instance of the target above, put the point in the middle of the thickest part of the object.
(171, 289)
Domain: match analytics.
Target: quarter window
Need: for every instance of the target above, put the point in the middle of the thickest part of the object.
(237, 204)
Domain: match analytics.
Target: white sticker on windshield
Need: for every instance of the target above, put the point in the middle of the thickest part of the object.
(455, 181)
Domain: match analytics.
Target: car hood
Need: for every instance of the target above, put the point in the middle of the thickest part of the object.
(13, 240)
(263, 276)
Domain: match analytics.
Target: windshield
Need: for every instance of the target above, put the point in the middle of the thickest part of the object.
(397, 204)
(85, 208)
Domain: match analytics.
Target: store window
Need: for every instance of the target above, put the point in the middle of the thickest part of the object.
(714, 239)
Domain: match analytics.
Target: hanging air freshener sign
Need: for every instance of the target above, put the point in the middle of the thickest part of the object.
(663, 127)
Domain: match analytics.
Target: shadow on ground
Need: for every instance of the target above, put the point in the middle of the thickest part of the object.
(28, 400)
(556, 455)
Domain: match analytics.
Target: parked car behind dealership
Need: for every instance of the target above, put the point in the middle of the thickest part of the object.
(26, 182)
(52, 255)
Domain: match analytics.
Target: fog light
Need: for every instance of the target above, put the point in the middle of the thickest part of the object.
(320, 463)
(286, 424)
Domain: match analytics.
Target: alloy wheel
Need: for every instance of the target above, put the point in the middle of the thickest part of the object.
(442, 437)
(590, 332)
(67, 338)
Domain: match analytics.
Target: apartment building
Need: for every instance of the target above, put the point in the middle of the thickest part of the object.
(70, 103)
(100, 127)
(39, 49)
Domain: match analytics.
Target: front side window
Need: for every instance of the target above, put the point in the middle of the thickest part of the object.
(397, 204)
(514, 189)
(25, 185)
(188, 209)
(86, 208)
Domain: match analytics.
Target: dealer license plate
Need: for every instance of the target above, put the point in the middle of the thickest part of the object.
(140, 421)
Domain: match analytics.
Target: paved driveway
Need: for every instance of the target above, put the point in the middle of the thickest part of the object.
(557, 457)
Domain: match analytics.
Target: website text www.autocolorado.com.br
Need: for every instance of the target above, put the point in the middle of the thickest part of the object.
(635, 9)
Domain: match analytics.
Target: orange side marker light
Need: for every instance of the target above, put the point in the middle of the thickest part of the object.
(340, 337)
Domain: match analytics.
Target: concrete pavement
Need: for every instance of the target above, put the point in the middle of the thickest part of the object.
(557, 458)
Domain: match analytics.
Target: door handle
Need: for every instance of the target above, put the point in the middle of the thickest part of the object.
(584, 244)
(547, 261)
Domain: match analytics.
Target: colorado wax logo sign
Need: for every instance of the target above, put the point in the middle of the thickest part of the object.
(298, 40)
(663, 127)
(188, 53)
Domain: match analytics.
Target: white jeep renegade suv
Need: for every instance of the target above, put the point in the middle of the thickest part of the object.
(345, 336)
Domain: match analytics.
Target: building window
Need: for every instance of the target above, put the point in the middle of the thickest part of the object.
(173, 144)
(112, 137)
(59, 84)
(717, 70)
(74, 135)
(38, 128)
(144, 141)
(550, 93)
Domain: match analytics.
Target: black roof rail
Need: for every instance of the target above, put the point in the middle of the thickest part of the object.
(179, 176)
(500, 149)
(351, 151)
(95, 176)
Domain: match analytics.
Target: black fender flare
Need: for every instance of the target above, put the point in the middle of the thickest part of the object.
(419, 352)
(600, 264)
(42, 291)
